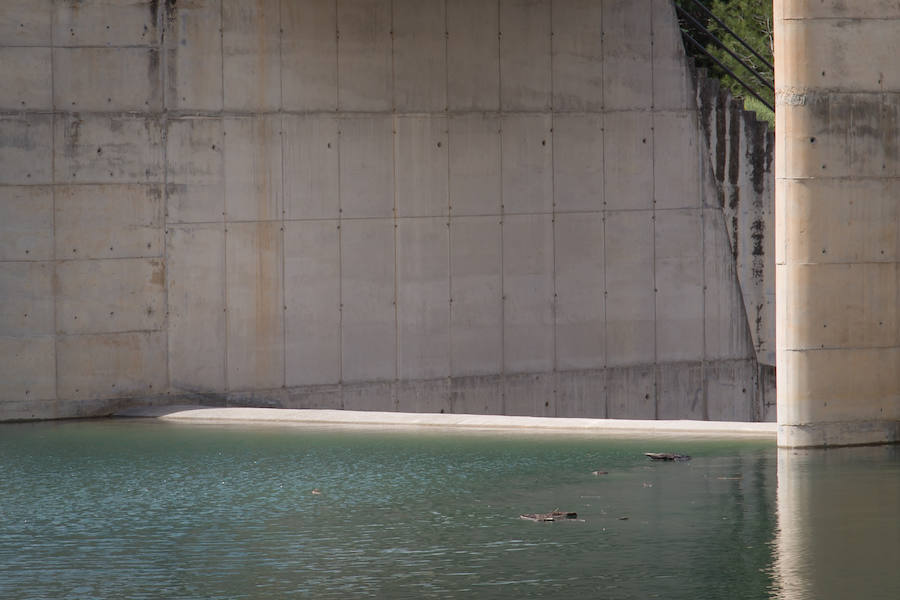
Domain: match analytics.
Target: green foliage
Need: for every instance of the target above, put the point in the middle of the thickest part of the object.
(752, 21)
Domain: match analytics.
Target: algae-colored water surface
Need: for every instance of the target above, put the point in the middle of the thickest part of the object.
(142, 509)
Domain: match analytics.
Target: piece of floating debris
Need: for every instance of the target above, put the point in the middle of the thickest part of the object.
(666, 456)
(316, 492)
(623, 518)
(556, 515)
(599, 472)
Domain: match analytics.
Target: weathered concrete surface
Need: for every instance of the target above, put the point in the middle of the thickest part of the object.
(838, 340)
(445, 205)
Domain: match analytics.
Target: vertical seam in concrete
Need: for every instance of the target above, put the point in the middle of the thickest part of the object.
(283, 195)
(653, 225)
(55, 262)
(395, 141)
(555, 304)
(337, 58)
(161, 24)
(603, 212)
(224, 196)
(449, 209)
(502, 214)
(340, 266)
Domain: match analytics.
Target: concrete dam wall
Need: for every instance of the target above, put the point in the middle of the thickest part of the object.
(524, 207)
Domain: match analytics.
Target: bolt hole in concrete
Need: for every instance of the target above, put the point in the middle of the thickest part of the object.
(165, 510)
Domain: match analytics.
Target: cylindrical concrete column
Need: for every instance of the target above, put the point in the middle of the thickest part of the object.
(838, 208)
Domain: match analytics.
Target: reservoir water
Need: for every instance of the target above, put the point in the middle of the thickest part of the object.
(142, 509)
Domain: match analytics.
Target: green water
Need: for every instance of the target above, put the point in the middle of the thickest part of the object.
(137, 509)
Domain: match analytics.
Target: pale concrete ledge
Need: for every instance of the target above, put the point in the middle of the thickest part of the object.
(289, 416)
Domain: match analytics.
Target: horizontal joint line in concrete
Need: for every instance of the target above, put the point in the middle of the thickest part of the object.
(838, 348)
(839, 262)
(63, 334)
(844, 178)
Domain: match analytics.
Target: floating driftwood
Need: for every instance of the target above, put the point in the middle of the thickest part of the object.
(556, 515)
(667, 456)
(598, 473)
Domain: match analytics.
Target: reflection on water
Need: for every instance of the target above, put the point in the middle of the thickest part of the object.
(147, 510)
(838, 524)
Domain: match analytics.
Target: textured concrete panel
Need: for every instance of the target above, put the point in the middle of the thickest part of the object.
(104, 296)
(862, 312)
(108, 149)
(379, 396)
(420, 55)
(364, 54)
(367, 167)
(27, 307)
(730, 387)
(253, 169)
(681, 386)
(255, 326)
(105, 23)
(195, 257)
(627, 156)
(673, 87)
(312, 290)
(251, 48)
(111, 365)
(319, 396)
(368, 335)
(109, 221)
(629, 285)
(675, 160)
(832, 385)
(578, 162)
(25, 149)
(679, 284)
(106, 79)
(422, 163)
(26, 76)
(726, 330)
(473, 55)
(829, 49)
(311, 167)
(195, 170)
(525, 79)
(530, 395)
(476, 395)
(25, 22)
(627, 63)
(845, 220)
(476, 319)
(432, 396)
(527, 157)
(528, 315)
(577, 55)
(28, 369)
(580, 285)
(631, 392)
(194, 57)
(26, 222)
(581, 394)
(474, 164)
(309, 72)
(423, 298)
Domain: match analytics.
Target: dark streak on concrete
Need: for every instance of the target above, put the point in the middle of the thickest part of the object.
(734, 141)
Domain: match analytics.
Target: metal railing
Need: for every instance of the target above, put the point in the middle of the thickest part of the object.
(766, 77)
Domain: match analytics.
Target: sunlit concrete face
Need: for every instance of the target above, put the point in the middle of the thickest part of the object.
(838, 119)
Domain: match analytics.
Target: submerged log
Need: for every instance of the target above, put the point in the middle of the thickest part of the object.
(556, 515)
(667, 456)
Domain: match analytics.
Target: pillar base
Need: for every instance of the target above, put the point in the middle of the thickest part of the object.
(842, 433)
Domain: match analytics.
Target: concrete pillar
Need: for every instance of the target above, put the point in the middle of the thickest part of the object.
(837, 207)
